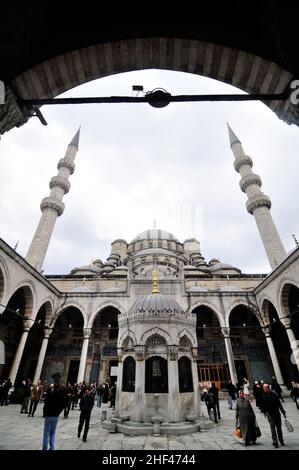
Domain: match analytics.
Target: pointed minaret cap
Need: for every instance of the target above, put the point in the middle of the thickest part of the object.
(232, 136)
(75, 140)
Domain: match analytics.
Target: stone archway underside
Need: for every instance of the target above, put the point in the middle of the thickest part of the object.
(241, 69)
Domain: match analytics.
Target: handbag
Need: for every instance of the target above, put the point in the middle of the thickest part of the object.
(237, 432)
(288, 425)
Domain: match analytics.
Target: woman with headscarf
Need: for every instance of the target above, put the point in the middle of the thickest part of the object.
(246, 417)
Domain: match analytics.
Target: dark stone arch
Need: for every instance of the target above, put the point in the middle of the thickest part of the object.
(156, 375)
(18, 307)
(34, 341)
(103, 343)
(64, 347)
(282, 345)
(290, 305)
(235, 66)
(212, 363)
(2, 283)
(129, 373)
(185, 375)
(251, 354)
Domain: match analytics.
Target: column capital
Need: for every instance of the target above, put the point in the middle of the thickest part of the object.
(47, 332)
(139, 352)
(120, 354)
(266, 330)
(286, 321)
(86, 333)
(225, 331)
(27, 324)
(173, 352)
(194, 354)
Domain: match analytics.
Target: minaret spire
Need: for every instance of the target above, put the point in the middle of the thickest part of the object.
(52, 206)
(258, 204)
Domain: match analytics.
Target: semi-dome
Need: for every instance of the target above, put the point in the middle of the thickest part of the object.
(224, 267)
(156, 304)
(155, 234)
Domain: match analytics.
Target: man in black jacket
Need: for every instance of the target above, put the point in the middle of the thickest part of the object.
(271, 407)
(86, 405)
(53, 406)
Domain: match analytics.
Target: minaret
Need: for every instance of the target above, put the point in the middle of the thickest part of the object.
(258, 203)
(52, 206)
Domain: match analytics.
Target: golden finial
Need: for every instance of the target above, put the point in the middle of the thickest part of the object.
(155, 289)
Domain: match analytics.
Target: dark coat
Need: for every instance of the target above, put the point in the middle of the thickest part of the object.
(86, 403)
(245, 415)
(54, 402)
(271, 404)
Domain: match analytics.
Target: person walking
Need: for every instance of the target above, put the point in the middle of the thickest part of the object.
(271, 407)
(215, 392)
(232, 390)
(37, 392)
(245, 416)
(295, 394)
(276, 388)
(26, 389)
(53, 406)
(86, 405)
(246, 388)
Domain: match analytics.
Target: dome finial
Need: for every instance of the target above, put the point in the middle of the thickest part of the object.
(155, 289)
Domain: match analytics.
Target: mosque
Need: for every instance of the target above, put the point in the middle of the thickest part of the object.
(161, 336)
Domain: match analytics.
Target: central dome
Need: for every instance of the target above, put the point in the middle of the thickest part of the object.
(156, 304)
(154, 234)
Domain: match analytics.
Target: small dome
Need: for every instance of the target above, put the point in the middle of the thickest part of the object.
(97, 262)
(214, 261)
(156, 304)
(154, 234)
(88, 269)
(223, 267)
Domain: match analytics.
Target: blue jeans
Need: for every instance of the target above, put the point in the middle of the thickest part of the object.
(49, 432)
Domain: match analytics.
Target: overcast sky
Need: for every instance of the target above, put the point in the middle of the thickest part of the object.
(137, 163)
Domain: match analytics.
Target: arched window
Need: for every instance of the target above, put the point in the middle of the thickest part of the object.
(185, 375)
(129, 368)
(156, 375)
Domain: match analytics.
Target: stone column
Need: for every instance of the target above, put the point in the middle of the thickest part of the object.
(197, 402)
(139, 383)
(173, 386)
(274, 360)
(230, 357)
(83, 358)
(119, 382)
(42, 354)
(293, 341)
(19, 353)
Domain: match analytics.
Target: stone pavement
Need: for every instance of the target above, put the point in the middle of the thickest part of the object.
(23, 433)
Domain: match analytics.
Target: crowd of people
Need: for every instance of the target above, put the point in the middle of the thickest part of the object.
(268, 399)
(58, 397)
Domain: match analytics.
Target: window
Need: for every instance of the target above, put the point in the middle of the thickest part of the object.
(185, 375)
(156, 375)
(129, 369)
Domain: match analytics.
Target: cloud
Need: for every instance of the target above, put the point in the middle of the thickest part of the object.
(137, 163)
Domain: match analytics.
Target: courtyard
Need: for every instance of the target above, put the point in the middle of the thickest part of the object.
(18, 432)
